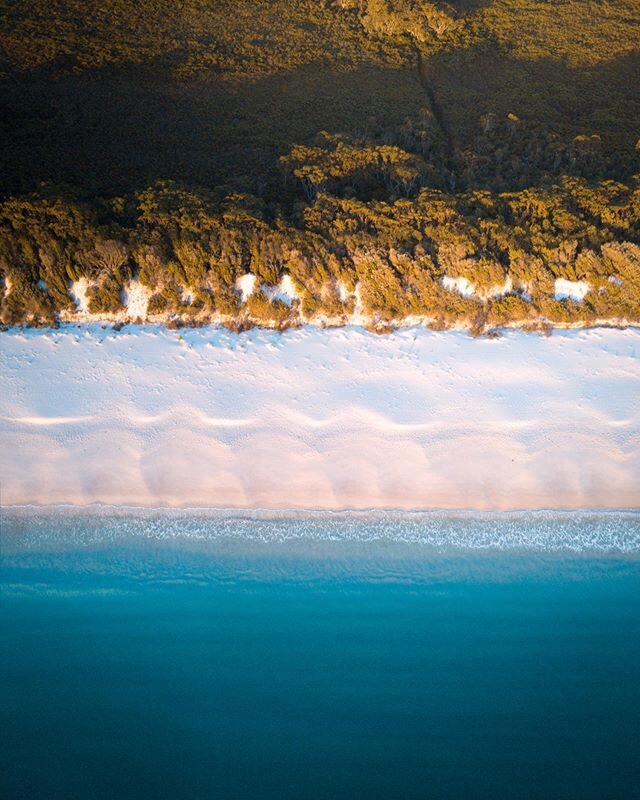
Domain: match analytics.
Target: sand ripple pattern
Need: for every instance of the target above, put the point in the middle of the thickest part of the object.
(320, 419)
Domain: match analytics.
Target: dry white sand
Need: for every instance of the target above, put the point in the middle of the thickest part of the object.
(320, 418)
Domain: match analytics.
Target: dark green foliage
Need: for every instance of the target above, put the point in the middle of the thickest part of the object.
(190, 249)
(379, 144)
(265, 311)
(106, 298)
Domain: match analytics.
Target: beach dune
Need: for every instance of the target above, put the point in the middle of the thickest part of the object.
(316, 418)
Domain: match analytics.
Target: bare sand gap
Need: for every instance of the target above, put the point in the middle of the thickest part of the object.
(320, 418)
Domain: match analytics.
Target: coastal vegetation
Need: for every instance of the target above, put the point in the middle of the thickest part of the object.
(471, 163)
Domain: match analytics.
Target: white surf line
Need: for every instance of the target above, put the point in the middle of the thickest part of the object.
(213, 422)
(47, 421)
(357, 418)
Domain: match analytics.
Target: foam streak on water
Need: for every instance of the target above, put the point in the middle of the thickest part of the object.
(285, 655)
(33, 528)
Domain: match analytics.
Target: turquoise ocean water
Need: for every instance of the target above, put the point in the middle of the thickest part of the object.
(203, 655)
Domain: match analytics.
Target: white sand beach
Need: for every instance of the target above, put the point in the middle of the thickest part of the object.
(314, 418)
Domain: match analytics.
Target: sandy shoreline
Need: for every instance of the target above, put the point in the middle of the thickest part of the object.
(320, 418)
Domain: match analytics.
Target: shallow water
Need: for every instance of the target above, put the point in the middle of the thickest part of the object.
(172, 654)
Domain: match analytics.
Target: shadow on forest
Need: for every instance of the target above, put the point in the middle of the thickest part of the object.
(115, 130)
(546, 92)
(467, 6)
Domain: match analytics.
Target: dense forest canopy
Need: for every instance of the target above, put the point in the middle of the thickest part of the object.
(459, 162)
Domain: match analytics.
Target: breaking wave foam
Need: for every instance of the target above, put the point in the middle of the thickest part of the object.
(32, 527)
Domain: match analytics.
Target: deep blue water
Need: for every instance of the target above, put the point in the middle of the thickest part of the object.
(175, 657)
